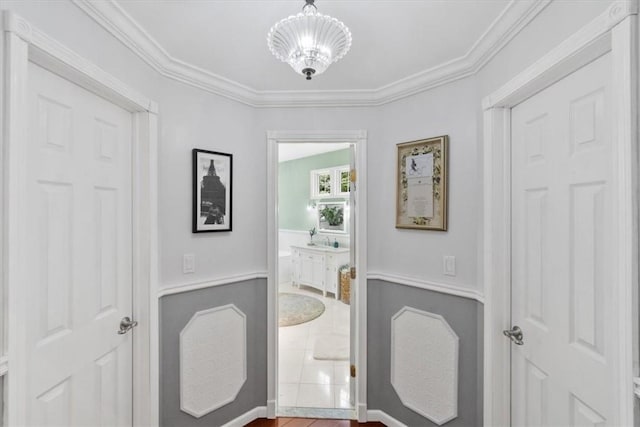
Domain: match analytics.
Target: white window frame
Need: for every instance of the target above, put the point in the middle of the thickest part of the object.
(334, 177)
(314, 181)
(337, 174)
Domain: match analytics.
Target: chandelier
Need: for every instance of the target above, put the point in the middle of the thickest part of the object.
(309, 41)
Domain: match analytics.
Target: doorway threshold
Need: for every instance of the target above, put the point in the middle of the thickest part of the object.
(326, 413)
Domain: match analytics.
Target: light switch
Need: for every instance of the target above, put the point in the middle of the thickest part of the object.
(188, 263)
(449, 265)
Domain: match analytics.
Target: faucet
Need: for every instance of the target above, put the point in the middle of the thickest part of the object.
(328, 241)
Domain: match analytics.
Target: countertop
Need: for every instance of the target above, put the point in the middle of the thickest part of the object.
(322, 248)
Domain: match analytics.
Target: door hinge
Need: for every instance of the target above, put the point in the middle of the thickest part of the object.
(353, 272)
(636, 386)
(353, 175)
(353, 371)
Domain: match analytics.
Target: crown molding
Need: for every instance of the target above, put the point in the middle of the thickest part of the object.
(121, 25)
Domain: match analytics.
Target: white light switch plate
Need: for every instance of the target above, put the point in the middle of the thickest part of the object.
(188, 263)
(449, 265)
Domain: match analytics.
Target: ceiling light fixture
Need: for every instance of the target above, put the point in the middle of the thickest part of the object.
(309, 41)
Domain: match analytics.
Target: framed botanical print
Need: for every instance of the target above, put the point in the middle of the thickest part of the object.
(421, 187)
(332, 217)
(212, 175)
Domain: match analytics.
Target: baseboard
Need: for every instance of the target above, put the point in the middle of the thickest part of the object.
(271, 408)
(384, 418)
(247, 417)
(362, 412)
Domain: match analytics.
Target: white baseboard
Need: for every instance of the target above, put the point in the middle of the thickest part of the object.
(362, 413)
(271, 408)
(384, 418)
(247, 417)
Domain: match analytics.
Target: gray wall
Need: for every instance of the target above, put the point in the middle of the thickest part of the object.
(465, 317)
(175, 311)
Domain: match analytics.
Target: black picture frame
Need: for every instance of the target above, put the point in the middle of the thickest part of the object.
(212, 191)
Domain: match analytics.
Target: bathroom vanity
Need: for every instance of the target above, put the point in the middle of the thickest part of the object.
(317, 266)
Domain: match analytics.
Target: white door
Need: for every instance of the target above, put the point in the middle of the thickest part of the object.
(79, 208)
(354, 284)
(562, 282)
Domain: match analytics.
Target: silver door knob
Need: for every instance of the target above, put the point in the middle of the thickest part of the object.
(126, 324)
(515, 334)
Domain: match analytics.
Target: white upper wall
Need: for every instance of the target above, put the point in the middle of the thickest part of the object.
(447, 110)
(188, 118)
(191, 118)
(559, 20)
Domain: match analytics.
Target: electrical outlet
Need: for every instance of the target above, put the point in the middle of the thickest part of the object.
(188, 263)
(449, 265)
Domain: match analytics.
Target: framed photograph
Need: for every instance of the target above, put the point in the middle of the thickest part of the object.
(332, 217)
(421, 189)
(212, 173)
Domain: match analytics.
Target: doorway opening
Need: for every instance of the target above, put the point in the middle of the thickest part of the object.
(314, 247)
(316, 266)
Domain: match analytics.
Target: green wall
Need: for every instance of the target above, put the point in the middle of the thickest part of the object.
(293, 188)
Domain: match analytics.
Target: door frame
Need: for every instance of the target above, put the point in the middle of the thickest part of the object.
(614, 31)
(359, 138)
(24, 43)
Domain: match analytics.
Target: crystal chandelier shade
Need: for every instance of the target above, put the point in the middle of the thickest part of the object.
(309, 41)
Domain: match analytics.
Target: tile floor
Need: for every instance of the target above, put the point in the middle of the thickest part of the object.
(304, 381)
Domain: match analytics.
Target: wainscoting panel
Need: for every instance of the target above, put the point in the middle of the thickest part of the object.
(225, 374)
(386, 300)
(424, 364)
(213, 359)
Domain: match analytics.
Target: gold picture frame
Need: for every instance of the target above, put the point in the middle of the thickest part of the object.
(421, 188)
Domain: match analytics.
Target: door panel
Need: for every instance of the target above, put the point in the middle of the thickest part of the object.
(80, 283)
(353, 295)
(562, 291)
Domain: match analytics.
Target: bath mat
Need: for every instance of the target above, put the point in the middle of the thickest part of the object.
(331, 347)
(294, 309)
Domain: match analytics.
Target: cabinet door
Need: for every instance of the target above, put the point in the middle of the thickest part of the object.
(331, 274)
(318, 271)
(295, 266)
(306, 268)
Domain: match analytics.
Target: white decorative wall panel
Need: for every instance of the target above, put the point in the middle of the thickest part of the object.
(424, 364)
(213, 359)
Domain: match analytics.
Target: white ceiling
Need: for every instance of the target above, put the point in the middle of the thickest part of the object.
(392, 39)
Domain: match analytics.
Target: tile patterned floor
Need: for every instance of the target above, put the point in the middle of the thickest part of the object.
(304, 381)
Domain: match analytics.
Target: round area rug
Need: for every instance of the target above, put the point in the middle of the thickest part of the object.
(294, 309)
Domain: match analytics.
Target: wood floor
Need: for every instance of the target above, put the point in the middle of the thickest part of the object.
(308, 422)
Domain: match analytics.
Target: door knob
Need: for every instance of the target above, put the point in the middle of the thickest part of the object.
(126, 324)
(515, 334)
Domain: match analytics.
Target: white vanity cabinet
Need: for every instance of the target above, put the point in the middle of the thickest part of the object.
(317, 266)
